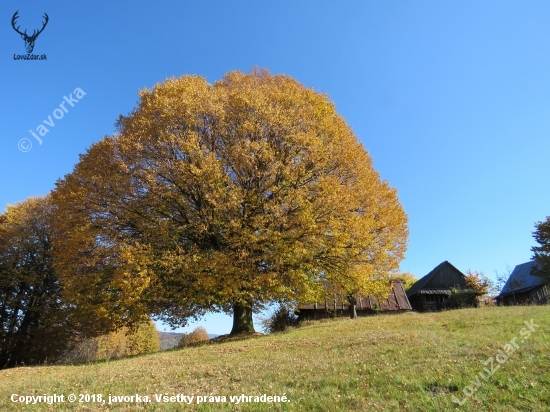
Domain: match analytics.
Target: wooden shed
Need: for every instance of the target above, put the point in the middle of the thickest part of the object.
(366, 305)
(431, 291)
(524, 288)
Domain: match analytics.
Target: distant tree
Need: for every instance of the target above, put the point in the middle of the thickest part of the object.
(506, 278)
(407, 279)
(199, 334)
(483, 288)
(502, 277)
(124, 342)
(225, 197)
(477, 282)
(476, 290)
(142, 340)
(541, 254)
(109, 346)
(36, 322)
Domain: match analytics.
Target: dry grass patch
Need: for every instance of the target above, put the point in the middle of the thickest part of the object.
(410, 362)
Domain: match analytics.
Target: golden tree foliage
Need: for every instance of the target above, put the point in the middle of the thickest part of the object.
(477, 282)
(143, 340)
(3, 219)
(225, 197)
(123, 342)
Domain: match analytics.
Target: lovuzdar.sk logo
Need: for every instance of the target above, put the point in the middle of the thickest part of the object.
(29, 40)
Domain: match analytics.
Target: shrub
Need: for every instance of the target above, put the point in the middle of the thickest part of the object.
(475, 292)
(198, 335)
(280, 320)
(461, 298)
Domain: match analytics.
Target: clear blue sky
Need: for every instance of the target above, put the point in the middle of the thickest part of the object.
(451, 98)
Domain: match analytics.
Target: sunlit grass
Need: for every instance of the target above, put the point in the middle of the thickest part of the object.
(389, 362)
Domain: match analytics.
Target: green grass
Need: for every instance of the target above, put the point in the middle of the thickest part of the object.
(402, 362)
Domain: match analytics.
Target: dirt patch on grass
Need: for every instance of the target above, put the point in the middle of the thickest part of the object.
(225, 338)
(239, 336)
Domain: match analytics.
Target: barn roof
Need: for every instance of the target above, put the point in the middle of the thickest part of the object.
(419, 285)
(396, 301)
(521, 280)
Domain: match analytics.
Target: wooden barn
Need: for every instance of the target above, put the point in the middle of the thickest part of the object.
(432, 290)
(366, 305)
(524, 288)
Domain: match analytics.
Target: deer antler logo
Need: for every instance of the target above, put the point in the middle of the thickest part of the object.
(29, 40)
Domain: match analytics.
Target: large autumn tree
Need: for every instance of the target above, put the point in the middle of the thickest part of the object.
(225, 197)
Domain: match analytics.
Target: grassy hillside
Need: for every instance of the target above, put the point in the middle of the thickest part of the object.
(413, 362)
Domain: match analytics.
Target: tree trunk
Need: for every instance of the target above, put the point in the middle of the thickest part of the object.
(242, 319)
(352, 307)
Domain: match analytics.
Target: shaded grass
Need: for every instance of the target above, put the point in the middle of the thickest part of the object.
(402, 362)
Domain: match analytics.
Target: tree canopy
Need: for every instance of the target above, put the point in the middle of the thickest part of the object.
(541, 253)
(225, 197)
(35, 320)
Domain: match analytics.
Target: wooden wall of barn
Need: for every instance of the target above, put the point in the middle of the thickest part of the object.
(538, 296)
(446, 277)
